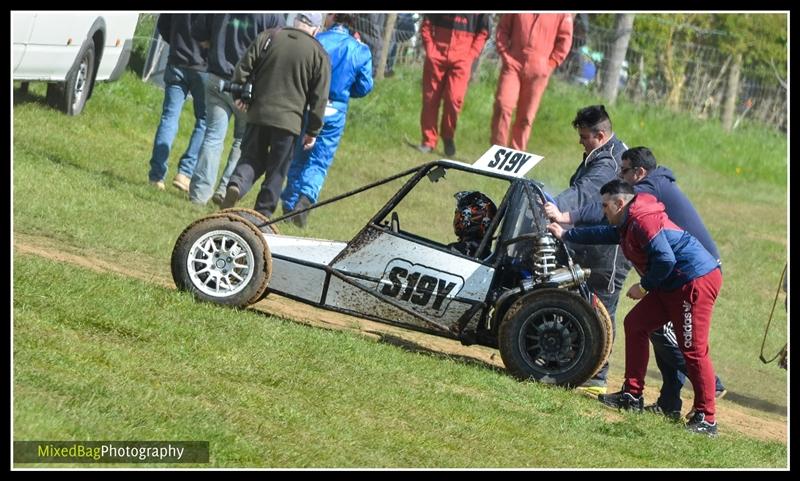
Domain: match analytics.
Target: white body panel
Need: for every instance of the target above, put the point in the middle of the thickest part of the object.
(317, 251)
(401, 270)
(389, 268)
(46, 44)
(296, 279)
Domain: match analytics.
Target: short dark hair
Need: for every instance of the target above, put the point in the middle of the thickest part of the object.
(346, 19)
(593, 117)
(617, 187)
(641, 157)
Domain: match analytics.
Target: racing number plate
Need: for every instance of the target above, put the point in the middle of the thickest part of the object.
(504, 160)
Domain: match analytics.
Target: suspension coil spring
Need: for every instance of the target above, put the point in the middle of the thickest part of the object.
(544, 258)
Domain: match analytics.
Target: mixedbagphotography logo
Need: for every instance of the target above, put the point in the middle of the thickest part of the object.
(110, 451)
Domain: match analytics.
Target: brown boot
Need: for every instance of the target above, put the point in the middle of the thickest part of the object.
(231, 197)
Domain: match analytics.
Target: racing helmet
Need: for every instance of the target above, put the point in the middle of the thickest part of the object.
(474, 213)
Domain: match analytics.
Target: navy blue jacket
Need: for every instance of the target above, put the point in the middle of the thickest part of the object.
(660, 183)
(597, 168)
(230, 34)
(184, 51)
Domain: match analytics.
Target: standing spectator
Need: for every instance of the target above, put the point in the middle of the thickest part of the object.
(294, 76)
(640, 169)
(452, 42)
(680, 281)
(531, 46)
(404, 29)
(186, 72)
(227, 37)
(601, 160)
(370, 27)
(580, 44)
(351, 77)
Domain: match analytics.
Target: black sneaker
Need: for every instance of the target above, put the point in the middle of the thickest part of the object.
(217, 199)
(656, 409)
(449, 147)
(231, 197)
(301, 220)
(622, 400)
(698, 424)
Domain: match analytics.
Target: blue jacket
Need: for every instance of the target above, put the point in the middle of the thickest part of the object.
(665, 255)
(351, 66)
(660, 183)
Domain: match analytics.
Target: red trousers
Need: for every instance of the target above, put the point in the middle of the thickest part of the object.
(689, 308)
(448, 80)
(520, 90)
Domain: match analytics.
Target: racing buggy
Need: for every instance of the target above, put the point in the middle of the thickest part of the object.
(518, 292)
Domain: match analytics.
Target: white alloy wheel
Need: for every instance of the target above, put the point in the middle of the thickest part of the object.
(220, 263)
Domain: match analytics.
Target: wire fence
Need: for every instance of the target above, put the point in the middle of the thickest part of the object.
(699, 89)
(697, 85)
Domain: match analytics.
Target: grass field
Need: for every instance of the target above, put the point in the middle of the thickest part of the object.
(98, 356)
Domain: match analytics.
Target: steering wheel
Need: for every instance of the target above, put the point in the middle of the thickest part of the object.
(395, 223)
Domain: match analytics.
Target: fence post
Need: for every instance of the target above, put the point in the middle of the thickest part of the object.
(732, 93)
(388, 33)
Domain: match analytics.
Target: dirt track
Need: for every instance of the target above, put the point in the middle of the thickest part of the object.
(750, 422)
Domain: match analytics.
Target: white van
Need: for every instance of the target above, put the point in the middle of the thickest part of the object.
(71, 50)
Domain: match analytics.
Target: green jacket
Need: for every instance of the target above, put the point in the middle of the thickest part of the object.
(295, 73)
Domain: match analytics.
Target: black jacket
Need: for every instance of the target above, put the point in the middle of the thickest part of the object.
(230, 34)
(184, 51)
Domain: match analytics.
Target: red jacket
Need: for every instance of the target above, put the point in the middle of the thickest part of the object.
(454, 37)
(539, 41)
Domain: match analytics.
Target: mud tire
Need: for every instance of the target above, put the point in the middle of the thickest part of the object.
(222, 233)
(554, 336)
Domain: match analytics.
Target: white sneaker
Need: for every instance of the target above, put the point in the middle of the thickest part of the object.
(181, 182)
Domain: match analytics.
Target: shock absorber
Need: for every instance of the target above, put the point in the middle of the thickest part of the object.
(544, 256)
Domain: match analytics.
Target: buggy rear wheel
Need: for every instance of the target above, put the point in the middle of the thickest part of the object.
(553, 336)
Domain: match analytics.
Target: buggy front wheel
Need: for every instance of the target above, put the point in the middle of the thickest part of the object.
(223, 259)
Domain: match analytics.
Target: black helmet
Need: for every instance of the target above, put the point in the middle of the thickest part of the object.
(474, 213)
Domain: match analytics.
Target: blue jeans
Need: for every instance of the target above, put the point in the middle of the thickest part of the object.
(220, 108)
(599, 286)
(391, 57)
(610, 301)
(672, 365)
(179, 82)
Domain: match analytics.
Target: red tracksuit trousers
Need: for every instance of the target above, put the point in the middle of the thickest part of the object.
(689, 308)
(516, 89)
(448, 80)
